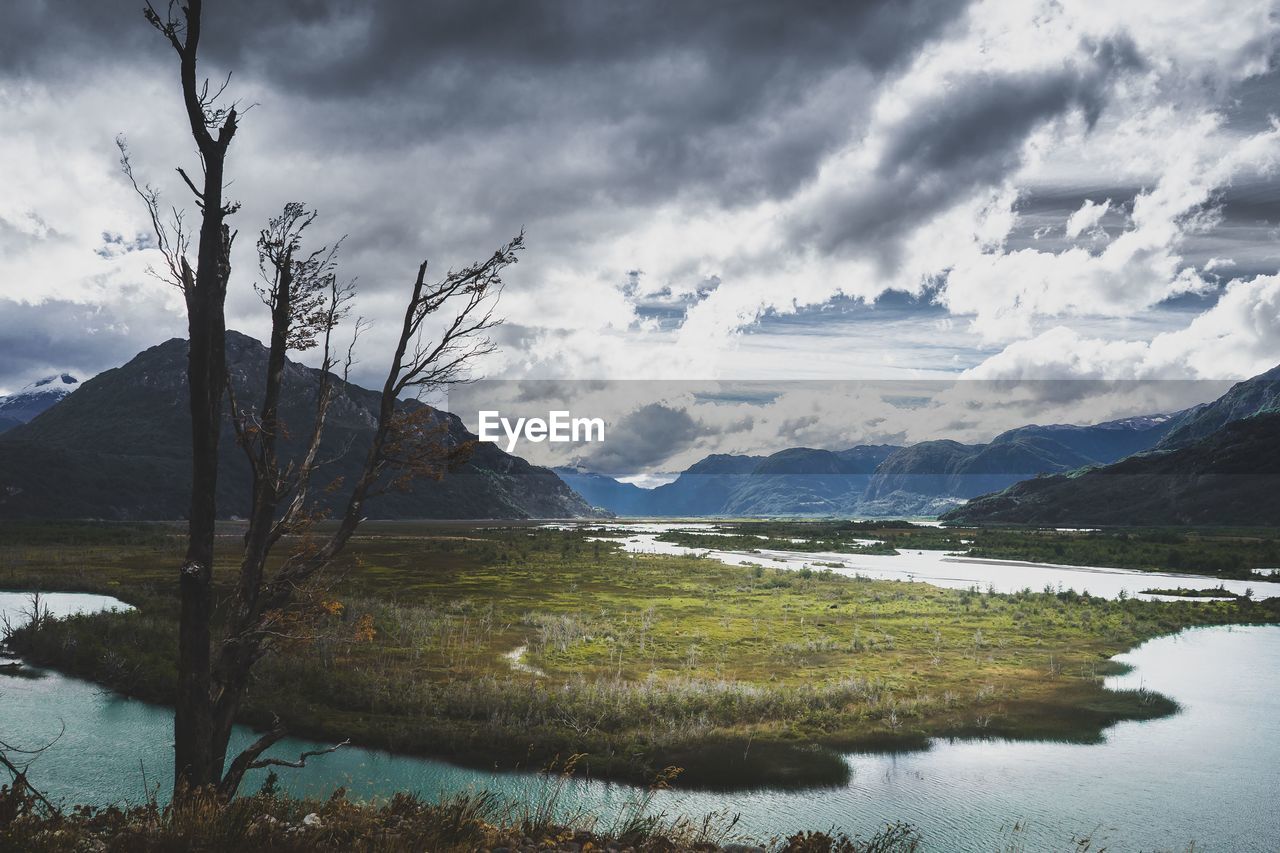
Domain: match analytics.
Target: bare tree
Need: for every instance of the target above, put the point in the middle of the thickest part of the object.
(443, 331)
(407, 444)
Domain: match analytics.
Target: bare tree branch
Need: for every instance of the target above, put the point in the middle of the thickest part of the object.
(19, 774)
(301, 761)
(172, 240)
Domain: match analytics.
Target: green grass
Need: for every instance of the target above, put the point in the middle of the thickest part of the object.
(1184, 592)
(741, 675)
(846, 537)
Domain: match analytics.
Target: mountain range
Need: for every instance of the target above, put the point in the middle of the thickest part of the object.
(1245, 399)
(118, 447)
(872, 480)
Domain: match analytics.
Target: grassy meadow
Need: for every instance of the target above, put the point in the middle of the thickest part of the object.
(513, 645)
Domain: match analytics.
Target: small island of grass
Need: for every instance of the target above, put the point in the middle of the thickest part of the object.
(1184, 592)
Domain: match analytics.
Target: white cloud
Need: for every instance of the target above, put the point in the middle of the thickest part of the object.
(1158, 125)
(1087, 217)
(1006, 292)
(1237, 338)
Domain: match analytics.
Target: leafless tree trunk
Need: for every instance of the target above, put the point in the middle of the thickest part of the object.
(204, 289)
(306, 303)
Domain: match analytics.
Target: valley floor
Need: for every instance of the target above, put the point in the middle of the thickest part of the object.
(522, 645)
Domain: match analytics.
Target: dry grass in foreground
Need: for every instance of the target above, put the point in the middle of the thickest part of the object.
(273, 823)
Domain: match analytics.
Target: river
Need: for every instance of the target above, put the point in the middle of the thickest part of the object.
(1207, 774)
(944, 568)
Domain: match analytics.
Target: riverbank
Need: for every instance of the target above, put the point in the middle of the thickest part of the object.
(479, 822)
(968, 795)
(1183, 592)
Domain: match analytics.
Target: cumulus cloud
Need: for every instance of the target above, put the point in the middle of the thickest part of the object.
(1086, 217)
(1237, 338)
(438, 130)
(1006, 291)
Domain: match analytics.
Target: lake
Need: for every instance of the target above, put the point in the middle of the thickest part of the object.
(1207, 774)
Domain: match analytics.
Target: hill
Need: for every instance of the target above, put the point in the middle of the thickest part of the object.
(1196, 473)
(1244, 399)
(1228, 477)
(804, 481)
(933, 475)
(118, 448)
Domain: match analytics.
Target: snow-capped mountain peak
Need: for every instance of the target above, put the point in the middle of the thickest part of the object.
(52, 383)
(21, 407)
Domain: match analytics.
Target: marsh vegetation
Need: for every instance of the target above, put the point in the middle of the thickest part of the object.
(741, 675)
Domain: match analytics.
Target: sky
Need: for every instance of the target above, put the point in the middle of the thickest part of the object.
(718, 190)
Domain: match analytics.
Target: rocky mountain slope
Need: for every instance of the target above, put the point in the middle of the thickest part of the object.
(1244, 399)
(1231, 476)
(1218, 463)
(601, 491)
(927, 477)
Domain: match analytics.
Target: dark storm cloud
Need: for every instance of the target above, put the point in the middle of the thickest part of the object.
(439, 128)
(693, 91)
(338, 48)
(968, 136)
(642, 440)
(58, 335)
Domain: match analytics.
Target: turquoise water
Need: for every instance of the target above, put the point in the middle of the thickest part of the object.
(1209, 774)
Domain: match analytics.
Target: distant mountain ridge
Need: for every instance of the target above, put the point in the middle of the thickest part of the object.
(118, 448)
(923, 479)
(1254, 396)
(1218, 463)
(599, 490)
(19, 408)
(1228, 477)
(949, 470)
